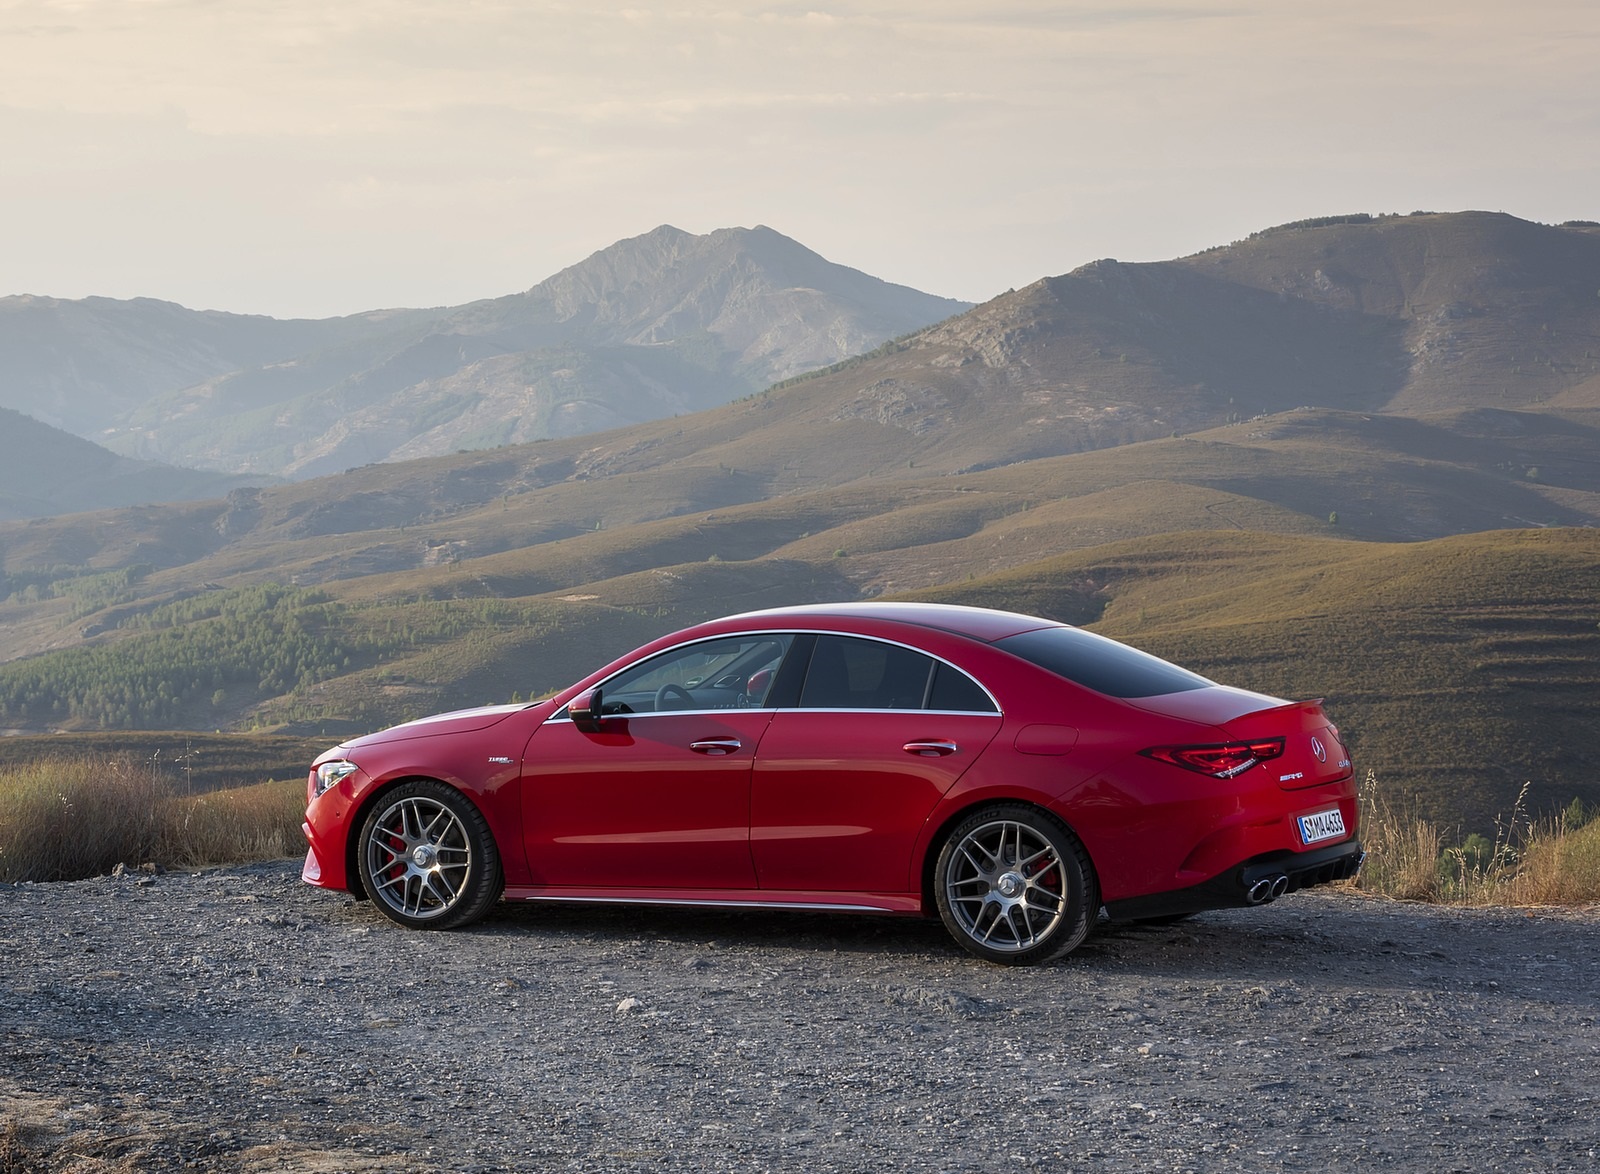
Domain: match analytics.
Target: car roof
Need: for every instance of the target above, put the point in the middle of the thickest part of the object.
(979, 623)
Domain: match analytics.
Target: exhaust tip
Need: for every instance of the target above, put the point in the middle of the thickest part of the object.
(1260, 891)
(1280, 886)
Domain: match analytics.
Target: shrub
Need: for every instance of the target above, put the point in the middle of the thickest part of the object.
(1551, 861)
(70, 818)
(1560, 865)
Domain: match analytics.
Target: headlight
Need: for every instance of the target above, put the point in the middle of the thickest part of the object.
(330, 773)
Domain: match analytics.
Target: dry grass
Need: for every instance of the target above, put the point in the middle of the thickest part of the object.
(17, 1155)
(260, 822)
(1559, 866)
(1402, 848)
(1553, 860)
(69, 818)
(196, 760)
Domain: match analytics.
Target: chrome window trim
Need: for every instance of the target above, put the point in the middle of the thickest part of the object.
(633, 717)
(997, 711)
(929, 712)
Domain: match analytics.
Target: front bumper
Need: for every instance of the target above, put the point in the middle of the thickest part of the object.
(1254, 882)
(324, 865)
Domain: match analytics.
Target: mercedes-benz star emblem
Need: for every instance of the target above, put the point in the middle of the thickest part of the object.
(1318, 749)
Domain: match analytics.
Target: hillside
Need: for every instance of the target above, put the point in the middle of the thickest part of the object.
(1494, 311)
(436, 605)
(1212, 468)
(1459, 668)
(44, 471)
(685, 490)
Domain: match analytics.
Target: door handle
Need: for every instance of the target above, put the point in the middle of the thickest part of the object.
(715, 746)
(934, 749)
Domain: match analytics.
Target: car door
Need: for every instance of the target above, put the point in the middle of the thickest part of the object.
(658, 796)
(844, 782)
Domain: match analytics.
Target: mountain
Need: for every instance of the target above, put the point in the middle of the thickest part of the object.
(83, 365)
(1492, 311)
(1223, 458)
(1146, 373)
(774, 308)
(660, 325)
(44, 470)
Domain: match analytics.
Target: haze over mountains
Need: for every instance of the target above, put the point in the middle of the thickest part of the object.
(48, 471)
(658, 325)
(1357, 458)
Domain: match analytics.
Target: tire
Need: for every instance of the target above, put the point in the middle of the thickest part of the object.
(1014, 886)
(427, 858)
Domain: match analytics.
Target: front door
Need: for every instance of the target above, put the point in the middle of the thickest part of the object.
(659, 796)
(637, 805)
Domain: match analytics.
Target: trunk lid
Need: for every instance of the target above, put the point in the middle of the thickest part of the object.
(1314, 753)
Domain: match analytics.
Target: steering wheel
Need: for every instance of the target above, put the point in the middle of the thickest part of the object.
(674, 693)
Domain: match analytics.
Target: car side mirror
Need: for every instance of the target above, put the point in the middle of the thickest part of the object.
(585, 712)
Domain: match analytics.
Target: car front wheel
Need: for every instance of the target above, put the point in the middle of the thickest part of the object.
(1015, 886)
(427, 858)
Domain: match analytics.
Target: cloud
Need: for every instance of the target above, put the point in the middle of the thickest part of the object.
(995, 139)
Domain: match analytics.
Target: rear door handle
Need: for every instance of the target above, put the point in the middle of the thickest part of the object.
(935, 749)
(715, 745)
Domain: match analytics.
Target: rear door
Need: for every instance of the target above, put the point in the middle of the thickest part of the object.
(844, 783)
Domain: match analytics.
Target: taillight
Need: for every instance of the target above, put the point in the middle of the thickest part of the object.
(1220, 761)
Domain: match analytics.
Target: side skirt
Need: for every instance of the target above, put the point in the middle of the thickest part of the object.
(904, 904)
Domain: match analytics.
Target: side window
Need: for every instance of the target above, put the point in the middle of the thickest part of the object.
(733, 673)
(850, 673)
(954, 690)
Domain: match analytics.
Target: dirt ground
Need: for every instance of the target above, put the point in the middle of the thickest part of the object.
(237, 1020)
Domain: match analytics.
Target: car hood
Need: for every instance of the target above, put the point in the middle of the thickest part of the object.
(456, 722)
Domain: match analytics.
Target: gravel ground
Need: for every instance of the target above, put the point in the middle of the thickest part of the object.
(237, 1020)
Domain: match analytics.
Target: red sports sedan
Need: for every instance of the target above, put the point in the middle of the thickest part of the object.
(1013, 773)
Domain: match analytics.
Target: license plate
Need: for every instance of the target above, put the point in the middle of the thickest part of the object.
(1322, 825)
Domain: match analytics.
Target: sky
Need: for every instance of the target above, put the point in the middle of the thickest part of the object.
(307, 158)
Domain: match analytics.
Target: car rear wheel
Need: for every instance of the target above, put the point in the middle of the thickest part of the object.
(427, 858)
(1015, 886)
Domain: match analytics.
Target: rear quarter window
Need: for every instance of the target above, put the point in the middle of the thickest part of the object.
(1101, 664)
(955, 692)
